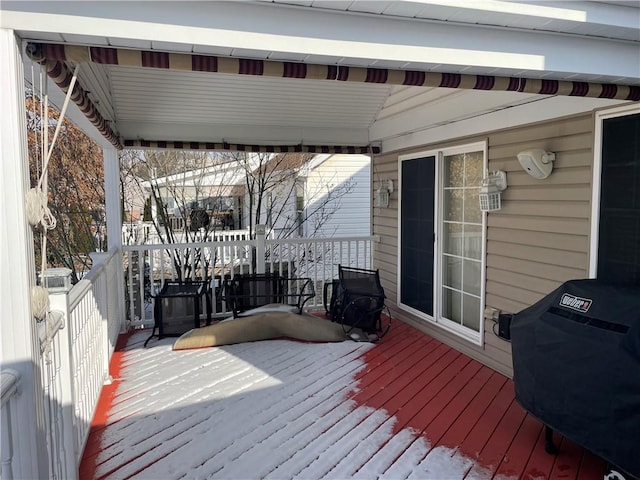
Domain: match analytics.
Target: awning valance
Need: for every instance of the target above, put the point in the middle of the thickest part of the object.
(54, 58)
(144, 144)
(62, 76)
(240, 66)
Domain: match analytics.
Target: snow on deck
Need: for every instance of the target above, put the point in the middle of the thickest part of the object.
(282, 409)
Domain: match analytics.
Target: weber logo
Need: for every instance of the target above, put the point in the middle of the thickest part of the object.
(575, 303)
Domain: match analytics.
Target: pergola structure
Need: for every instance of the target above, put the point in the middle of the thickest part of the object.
(300, 75)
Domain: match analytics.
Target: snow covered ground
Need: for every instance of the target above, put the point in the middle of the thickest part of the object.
(275, 409)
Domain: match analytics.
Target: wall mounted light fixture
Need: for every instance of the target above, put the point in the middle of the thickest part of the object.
(383, 194)
(491, 190)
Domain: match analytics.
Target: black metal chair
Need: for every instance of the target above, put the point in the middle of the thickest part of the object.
(357, 301)
(177, 307)
(247, 292)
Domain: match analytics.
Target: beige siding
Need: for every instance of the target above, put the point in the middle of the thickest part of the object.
(538, 240)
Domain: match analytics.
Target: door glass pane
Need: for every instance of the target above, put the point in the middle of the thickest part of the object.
(461, 227)
(472, 241)
(452, 305)
(473, 169)
(453, 240)
(472, 211)
(452, 272)
(471, 312)
(454, 171)
(453, 205)
(471, 276)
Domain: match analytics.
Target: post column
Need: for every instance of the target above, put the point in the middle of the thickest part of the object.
(113, 208)
(19, 346)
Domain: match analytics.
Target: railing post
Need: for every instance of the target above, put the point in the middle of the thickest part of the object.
(59, 302)
(114, 224)
(101, 293)
(8, 390)
(260, 248)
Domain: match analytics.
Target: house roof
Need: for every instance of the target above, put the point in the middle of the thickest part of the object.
(455, 43)
(288, 161)
(222, 175)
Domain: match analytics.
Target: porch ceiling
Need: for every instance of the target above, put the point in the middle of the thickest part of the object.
(161, 104)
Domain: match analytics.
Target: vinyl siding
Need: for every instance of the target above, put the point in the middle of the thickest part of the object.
(349, 214)
(538, 240)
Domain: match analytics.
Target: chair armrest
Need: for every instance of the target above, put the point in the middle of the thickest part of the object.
(298, 291)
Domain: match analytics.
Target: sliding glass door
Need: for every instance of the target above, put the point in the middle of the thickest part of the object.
(442, 238)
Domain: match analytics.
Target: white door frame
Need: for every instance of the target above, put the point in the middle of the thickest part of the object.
(600, 117)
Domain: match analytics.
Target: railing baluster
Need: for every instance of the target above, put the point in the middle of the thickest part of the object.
(230, 254)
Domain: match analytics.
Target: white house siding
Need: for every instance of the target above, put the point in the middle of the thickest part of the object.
(538, 240)
(350, 215)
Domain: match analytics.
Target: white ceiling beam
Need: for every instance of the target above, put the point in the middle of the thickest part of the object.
(453, 106)
(546, 108)
(334, 34)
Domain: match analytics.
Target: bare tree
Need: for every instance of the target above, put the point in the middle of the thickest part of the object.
(189, 200)
(275, 192)
(184, 186)
(76, 197)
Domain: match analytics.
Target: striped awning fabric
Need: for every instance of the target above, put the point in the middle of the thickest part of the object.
(62, 76)
(53, 56)
(144, 144)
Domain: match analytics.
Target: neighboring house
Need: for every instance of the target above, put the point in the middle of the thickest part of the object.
(317, 196)
(219, 190)
(328, 213)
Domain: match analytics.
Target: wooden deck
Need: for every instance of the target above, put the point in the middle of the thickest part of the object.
(408, 407)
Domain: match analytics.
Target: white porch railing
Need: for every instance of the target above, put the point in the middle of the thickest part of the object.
(145, 233)
(147, 267)
(94, 326)
(76, 343)
(8, 393)
(80, 333)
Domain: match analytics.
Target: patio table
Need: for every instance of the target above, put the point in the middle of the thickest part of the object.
(171, 292)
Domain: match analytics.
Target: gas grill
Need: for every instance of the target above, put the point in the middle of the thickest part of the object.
(576, 364)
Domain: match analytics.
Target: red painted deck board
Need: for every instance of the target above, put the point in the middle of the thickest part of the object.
(472, 412)
(379, 390)
(494, 450)
(455, 408)
(567, 464)
(448, 398)
(591, 467)
(540, 463)
(516, 458)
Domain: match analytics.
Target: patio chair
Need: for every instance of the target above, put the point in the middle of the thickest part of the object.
(248, 292)
(357, 301)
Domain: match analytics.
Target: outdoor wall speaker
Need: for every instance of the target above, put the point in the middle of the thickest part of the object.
(537, 162)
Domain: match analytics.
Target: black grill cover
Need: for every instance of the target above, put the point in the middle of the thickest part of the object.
(576, 366)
